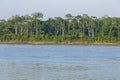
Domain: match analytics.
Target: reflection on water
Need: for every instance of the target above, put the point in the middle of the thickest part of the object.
(59, 62)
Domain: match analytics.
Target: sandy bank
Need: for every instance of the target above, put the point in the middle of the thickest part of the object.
(60, 43)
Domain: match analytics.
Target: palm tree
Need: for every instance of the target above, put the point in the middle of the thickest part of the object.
(84, 23)
(37, 17)
(16, 22)
(69, 19)
(2, 23)
(61, 25)
(93, 25)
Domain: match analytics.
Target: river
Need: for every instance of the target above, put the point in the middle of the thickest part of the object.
(59, 62)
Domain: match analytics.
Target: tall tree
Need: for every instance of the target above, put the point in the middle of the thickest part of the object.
(37, 17)
(69, 19)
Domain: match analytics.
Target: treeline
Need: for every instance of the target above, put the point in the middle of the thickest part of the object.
(80, 28)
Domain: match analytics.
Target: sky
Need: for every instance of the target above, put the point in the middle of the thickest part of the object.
(54, 8)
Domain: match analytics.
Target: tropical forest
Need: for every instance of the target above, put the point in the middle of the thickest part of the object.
(79, 28)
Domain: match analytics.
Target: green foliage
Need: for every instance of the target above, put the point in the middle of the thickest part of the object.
(81, 28)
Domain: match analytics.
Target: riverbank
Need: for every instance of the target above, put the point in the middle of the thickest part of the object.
(61, 43)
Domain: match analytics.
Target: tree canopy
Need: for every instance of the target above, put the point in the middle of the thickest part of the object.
(83, 28)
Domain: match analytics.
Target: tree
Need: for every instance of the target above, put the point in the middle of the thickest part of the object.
(2, 23)
(69, 19)
(72, 28)
(37, 17)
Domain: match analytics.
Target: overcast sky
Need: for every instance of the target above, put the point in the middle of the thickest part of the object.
(52, 8)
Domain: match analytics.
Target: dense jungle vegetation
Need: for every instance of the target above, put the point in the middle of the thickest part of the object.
(80, 28)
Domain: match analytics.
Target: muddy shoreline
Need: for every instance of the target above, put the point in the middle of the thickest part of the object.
(62, 43)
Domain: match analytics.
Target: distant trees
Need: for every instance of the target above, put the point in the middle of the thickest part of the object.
(36, 18)
(72, 28)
